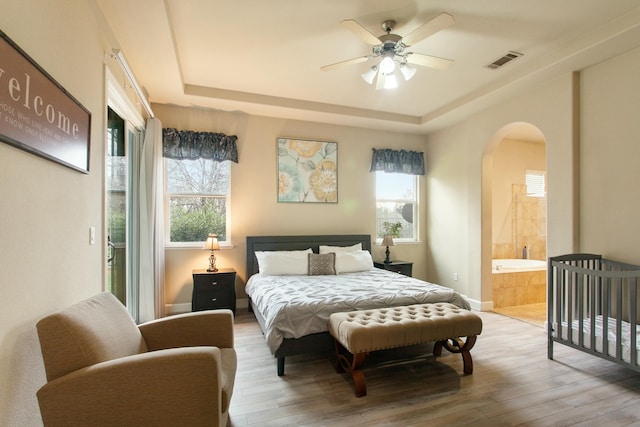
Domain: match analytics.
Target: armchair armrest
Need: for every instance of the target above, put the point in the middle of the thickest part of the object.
(180, 387)
(201, 328)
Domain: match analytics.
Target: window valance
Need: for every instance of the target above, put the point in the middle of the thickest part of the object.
(398, 161)
(191, 145)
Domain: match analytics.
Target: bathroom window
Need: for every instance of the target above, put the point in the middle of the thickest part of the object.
(536, 183)
(397, 202)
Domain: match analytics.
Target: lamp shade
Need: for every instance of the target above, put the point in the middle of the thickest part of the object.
(370, 74)
(387, 241)
(407, 71)
(212, 243)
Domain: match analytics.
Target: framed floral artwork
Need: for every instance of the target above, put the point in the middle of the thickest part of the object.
(307, 171)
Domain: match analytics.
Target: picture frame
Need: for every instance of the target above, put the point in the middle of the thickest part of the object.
(307, 171)
(37, 114)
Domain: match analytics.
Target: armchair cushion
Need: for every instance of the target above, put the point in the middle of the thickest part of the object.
(160, 388)
(98, 329)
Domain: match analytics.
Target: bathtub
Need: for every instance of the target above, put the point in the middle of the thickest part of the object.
(518, 281)
(499, 266)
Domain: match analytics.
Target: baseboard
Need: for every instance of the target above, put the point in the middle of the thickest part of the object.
(480, 305)
(177, 308)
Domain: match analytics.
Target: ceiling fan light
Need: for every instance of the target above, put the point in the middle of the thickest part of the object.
(387, 65)
(390, 81)
(407, 71)
(370, 74)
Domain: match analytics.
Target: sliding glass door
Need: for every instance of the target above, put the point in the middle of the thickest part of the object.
(117, 167)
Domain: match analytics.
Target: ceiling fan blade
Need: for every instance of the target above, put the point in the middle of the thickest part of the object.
(356, 28)
(343, 63)
(429, 61)
(429, 28)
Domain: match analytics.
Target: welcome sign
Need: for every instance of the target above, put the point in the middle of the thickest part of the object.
(37, 114)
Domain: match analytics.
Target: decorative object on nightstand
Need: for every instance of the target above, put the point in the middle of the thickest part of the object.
(214, 290)
(387, 241)
(402, 267)
(213, 245)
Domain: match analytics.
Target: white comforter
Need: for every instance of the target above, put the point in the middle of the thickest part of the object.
(294, 306)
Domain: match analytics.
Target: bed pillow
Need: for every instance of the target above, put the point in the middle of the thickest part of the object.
(283, 263)
(336, 249)
(322, 264)
(352, 262)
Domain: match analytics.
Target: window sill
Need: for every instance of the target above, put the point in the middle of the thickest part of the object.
(378, 242)
(195, 245)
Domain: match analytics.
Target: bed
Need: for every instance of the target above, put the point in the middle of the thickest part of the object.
(593, 307)
(293, 310)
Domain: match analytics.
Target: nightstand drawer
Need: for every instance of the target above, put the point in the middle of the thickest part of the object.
(211, 299)
(214, 290)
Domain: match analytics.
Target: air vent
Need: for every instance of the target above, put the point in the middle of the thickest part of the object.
(510, 56)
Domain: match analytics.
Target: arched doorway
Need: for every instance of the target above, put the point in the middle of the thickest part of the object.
(514, 222)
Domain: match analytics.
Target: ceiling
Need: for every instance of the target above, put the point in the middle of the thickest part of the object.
(264, 57)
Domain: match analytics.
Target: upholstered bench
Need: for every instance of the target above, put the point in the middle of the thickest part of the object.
(357, 333)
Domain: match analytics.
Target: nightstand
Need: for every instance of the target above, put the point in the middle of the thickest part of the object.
(214, 290)
(402, 267)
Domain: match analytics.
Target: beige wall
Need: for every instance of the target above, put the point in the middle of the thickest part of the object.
(511, 160)
(594, 210)
(254, 206)
(46, 261)
(610, 153)
(459, 185)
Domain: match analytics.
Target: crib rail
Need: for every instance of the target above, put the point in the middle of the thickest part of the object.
(593, 307)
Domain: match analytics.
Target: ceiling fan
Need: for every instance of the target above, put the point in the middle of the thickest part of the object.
(390, 49)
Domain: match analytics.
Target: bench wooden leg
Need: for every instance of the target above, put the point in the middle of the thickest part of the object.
(358, 375)
(456, 345)
(352, 363)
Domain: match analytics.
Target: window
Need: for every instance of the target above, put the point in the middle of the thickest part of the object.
(197, 199)
(535, 183)
(397, 202)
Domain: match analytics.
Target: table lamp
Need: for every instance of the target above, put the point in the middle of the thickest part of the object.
(212, 245)
(387, 241)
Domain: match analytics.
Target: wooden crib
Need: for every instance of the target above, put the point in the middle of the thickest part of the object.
(593, 307)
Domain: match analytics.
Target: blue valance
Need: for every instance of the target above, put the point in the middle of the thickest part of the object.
(191, 145)
(398, 161)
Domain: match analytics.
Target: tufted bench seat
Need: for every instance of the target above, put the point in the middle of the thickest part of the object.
(357, 333)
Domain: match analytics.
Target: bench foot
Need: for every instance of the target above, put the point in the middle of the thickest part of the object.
(352, 363)
(456, 345)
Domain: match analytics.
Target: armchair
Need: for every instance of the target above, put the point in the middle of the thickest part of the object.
(104, 370)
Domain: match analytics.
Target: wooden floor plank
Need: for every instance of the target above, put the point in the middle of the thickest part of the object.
(513, 384)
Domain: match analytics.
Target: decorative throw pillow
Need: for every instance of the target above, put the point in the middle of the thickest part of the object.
(322, 264)
(328, 249)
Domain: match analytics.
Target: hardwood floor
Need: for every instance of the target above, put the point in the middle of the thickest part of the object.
(513, 384)
(533, 313)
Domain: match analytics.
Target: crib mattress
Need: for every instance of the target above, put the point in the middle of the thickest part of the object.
(612, 339)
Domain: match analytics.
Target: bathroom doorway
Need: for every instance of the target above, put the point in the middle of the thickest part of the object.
(519, 224)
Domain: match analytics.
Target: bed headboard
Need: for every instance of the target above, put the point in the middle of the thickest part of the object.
(293, 243)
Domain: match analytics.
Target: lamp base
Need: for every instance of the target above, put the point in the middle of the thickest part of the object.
(387, 260)
(212, 263)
